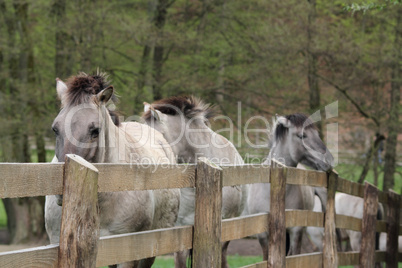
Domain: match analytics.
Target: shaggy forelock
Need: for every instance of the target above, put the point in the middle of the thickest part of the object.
(189, 106)
(83, 87)
(298, 120)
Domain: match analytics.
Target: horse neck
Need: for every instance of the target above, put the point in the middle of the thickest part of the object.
(280, 153)
(205, 137)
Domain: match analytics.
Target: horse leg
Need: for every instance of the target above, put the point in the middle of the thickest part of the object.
(180, 259)
(263, 239)
(225, 246)
(295, 236)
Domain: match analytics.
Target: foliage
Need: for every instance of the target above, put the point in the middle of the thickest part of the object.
(371, 5)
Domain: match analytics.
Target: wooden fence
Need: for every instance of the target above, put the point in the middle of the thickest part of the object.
(83, 180)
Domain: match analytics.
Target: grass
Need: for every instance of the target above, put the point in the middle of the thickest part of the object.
(352, 172)
(3, 216)
(234, 261)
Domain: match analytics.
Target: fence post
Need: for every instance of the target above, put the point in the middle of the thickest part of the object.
(277, 221)
(369, 220)
(393, 212)
(207, 249)
(330, 252)
(79, 232)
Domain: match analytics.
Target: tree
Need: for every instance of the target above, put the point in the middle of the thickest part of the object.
(395, 107)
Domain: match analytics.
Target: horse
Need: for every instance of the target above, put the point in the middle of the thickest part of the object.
(293, 139)
(352, 206)
(86, 127)
(182, 121)
(315, 235)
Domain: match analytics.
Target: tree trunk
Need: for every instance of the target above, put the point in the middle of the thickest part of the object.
(159, 57)
(393, 121)
(371, 152)
(25, 219)
(40, 146)
(314, 100)
(25, 215)
(62, 66)
(221, 71)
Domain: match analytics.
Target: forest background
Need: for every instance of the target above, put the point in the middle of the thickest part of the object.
(267, 57)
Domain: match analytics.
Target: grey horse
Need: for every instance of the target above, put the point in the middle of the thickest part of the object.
(182, 121)
(294, 139)
(87, 128)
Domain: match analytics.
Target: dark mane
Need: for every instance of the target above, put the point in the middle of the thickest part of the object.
(82, 87)
(190, 106)
(298, 120)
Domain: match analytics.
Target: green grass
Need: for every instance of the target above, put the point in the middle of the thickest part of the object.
(3, 216)
(352, 172)
(234, 261)
(34, 155)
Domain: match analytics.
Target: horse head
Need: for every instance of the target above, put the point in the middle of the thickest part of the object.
(180, 119)
(296, 140)
(82, 124)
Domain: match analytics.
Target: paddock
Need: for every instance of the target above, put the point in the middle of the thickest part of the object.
(80, 181)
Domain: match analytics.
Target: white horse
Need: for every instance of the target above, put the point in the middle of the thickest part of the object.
(182, 121)
(87, 128)
(316, 234)
(352, 206)
(294, 139)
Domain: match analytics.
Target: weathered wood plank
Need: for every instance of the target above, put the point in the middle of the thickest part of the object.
(368, 225)
(381, 256)
(22, 180)
(306, 177)
(245, 174)
(137, 246)
(381, 226)
(383, 197)
(236, 228)
(349, 258)
(347, 222)
(207, 250)
(277, 222)
(330, 256)
(393, 218)
(312, 260)
(38, 257)
(79, 231)
(131, 177)
(304, 218)
(350, 187)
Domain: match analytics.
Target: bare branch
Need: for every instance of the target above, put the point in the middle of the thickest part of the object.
(346, 94)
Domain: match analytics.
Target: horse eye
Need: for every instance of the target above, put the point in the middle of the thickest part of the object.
(302, 136)
(55, 130)
(95, 133)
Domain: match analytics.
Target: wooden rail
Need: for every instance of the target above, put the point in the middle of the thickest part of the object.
(21, 180)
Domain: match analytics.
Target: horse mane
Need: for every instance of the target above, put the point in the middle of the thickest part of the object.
(189, 106)
(82, 87)
(298, 120)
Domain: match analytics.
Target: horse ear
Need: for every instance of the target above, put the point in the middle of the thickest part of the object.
(284, 121)
(156, 114)
(147, 106)
(61, 88)
(105, 95)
